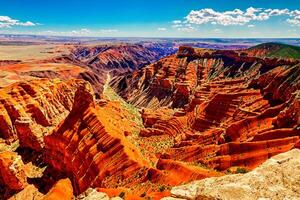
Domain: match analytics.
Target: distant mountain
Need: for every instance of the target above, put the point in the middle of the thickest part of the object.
(273, 49)
(122, 57)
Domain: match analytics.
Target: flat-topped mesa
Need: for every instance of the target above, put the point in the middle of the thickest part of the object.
(185, 51)
(30, 110)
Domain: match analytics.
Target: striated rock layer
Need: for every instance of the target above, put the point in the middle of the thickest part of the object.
(230, 110)
(121, 57)
(203, 113)
(94, 152)
(30, 110)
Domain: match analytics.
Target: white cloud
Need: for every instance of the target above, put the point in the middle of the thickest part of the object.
(176, 25)
(177, 22)
(295, 20)
(183, 26)
(161, 29)
(251, 26)
(7, 22)
(188, 29)
(238, 17)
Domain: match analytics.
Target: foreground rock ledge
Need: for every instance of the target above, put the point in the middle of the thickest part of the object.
(277, 178)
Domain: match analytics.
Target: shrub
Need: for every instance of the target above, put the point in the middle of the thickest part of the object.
(161, 188)
(122, 195)
(240, 170)
(143, 194)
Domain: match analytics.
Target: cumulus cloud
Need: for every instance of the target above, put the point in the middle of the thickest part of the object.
(238, 17)
(7, 22)
(295, 20)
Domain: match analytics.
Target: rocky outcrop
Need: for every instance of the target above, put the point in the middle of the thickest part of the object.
(203, 114)
(227, 115)
(12, 174)
(30, 110)
(92, 194)
(30, 192)
(61, 190)
(94, 151)
(277, 178)
(63, 68)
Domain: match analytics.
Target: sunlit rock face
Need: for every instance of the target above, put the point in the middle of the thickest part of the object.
(193, 115)
(229, 109)
(268, 181)
(30, 110)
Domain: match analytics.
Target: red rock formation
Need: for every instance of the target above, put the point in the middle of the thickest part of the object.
(234, 113)
(30, 110)
(204, 112)
(61, 190)
(121, 57)
(12, 174)
(94, 151)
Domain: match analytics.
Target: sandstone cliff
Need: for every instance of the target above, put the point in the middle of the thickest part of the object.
(199, 114)
(30, 110)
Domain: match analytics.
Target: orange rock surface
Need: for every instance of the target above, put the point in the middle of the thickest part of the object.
(30, 110)
(233, 112)
(94, 151)
(12, 174)
(61, 190)
(196, 114)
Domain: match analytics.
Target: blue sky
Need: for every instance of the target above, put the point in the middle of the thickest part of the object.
(155, 18)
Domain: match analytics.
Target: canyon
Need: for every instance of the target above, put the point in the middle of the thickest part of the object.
(144, 121)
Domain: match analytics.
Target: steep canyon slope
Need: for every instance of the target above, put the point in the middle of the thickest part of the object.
(228, 109)
(192, 115)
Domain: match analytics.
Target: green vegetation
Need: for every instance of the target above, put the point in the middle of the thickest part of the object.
(111, 95)
(278, 50)
(161, 188)
(241, 170)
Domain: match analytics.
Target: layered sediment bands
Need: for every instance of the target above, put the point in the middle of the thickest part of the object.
(94, 151)
(234, 110)
(162, 122)
(174, 173)
(203, 113)
(172, 80)
(30, 110)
